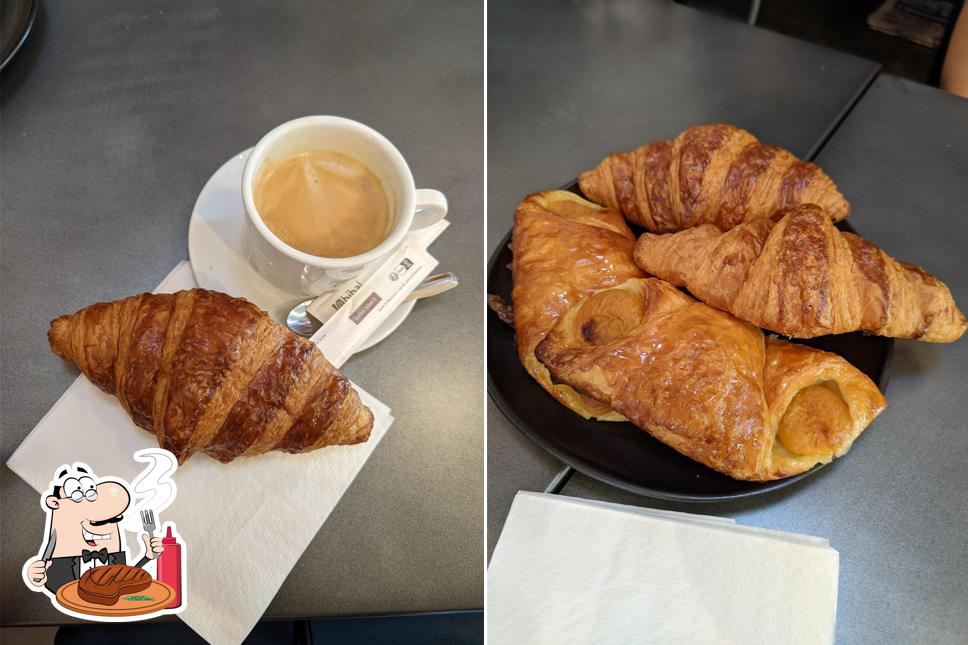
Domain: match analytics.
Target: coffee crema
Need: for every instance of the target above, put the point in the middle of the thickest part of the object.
(323, 203)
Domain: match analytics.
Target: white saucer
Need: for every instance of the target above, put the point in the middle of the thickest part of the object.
(216, 243)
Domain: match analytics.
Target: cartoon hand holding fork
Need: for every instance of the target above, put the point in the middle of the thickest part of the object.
(153, 545)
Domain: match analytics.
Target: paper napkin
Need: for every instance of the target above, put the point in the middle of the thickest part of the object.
(572, 571)
(221, 510)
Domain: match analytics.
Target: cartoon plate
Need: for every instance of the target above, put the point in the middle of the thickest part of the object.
(146, 601)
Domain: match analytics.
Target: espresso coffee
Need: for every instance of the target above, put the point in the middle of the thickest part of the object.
(323, 203)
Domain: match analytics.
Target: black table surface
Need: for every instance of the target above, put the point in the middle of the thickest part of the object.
(895, 505)
(571, 82)
(115, 114)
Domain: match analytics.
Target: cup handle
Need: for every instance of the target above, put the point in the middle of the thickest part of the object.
(431, 207)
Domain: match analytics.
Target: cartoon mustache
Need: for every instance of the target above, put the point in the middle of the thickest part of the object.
(113, 520)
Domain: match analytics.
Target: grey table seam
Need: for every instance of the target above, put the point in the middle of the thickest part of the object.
(840, 118)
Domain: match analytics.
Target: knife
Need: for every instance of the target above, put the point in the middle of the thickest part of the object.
(51, 542)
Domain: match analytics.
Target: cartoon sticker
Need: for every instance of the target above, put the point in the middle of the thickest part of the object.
(83, 564)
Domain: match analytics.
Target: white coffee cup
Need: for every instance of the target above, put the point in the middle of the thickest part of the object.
(411, 209)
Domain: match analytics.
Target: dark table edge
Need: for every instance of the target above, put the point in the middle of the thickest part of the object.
(271, 619)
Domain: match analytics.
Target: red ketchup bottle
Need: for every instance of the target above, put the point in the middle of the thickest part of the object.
(170, 567)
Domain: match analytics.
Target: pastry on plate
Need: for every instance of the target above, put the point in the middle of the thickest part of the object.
(564, 248)
(204, 371)
(710, 386)
(710, 174)
(802, 277)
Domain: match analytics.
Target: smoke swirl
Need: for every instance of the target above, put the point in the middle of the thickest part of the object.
(153, 488)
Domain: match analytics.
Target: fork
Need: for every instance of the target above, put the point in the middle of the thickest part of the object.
(148, 521)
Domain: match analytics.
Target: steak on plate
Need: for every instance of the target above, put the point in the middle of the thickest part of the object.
(105, 585)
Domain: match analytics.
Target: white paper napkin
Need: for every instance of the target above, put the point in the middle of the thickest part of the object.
(244, 524)
(572, 571)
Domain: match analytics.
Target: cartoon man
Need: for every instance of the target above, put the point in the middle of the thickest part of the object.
(84, 514)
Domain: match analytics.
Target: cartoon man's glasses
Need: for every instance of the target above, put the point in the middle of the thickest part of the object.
(79, 489)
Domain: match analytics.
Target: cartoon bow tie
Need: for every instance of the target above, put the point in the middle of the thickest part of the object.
(100, 554)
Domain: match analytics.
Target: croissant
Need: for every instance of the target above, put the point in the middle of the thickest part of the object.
(564, 248)
(802, 277)
(709, 174)
(204, 371)
(710, 386)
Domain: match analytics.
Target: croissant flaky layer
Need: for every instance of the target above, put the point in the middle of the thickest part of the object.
(564, 248)
(202, 370)
(710, 174)
(803, 277)
(709, 385)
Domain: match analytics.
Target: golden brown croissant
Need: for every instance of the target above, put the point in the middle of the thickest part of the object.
(205, 371)
(803, 277)
(710, 174)
(564, 247)
(709, 385)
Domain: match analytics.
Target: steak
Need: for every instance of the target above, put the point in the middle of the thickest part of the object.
(105, 585)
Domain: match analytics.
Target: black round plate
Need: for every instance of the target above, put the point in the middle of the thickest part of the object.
(621, 454)
(16, 19)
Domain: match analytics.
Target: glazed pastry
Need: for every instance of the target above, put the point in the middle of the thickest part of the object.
(709, 174)
(711, 386)
(803, 277)
(564, 248)
(204, 371)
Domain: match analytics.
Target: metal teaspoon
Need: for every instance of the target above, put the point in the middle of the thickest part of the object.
(300, 322)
